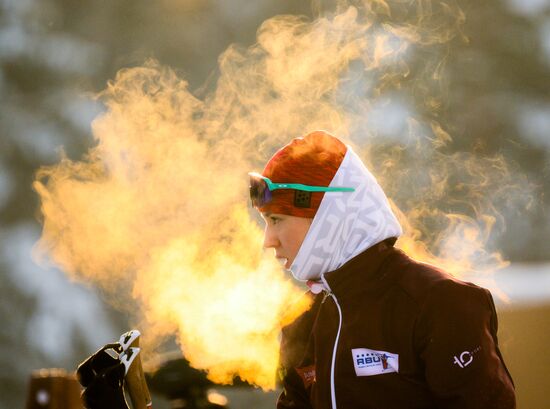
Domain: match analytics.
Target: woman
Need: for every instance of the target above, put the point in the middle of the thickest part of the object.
(384, 331)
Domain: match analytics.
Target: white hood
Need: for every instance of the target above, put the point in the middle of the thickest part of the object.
(346, 223)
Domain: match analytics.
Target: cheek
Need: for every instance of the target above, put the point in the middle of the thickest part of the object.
(295, 239)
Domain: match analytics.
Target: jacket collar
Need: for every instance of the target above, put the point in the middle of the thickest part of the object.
(363, 273)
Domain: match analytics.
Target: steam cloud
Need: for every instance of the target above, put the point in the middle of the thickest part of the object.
(156, 213)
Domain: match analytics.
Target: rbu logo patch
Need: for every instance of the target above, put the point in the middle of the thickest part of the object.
(368, 362)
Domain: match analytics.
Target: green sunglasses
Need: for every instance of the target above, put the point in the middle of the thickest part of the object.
(261, 188)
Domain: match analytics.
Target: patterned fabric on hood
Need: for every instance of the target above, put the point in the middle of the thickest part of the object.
(346, 224)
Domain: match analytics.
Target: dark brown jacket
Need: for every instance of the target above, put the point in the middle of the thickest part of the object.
(389, 309)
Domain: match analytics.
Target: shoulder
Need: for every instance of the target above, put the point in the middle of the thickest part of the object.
(447, 311)
(427, 284)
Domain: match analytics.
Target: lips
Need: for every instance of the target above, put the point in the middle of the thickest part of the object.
(283, 261)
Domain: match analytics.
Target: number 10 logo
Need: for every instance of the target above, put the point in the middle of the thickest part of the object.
(464, 360)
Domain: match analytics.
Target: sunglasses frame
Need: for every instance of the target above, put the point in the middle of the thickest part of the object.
(271, 186)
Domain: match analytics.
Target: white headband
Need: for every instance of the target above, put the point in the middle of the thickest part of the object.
(346, 223)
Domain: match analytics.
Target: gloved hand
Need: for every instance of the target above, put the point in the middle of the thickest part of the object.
(102, 376)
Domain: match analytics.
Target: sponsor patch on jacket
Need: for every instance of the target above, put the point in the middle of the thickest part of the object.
(466, 358)
(307, 373)
(368, 362)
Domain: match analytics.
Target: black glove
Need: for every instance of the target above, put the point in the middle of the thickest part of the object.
(102, 377)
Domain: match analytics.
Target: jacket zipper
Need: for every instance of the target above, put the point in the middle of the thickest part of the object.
(329, 293)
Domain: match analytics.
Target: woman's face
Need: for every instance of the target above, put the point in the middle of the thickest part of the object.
(285, 235)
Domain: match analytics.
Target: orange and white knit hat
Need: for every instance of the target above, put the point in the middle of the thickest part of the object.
(310, 160)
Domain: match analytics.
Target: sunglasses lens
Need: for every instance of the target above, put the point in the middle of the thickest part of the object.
(266, 196)
(259, 193)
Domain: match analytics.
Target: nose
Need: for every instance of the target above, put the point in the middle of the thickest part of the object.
(270, 238)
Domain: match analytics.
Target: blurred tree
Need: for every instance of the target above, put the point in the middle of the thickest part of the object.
(496, 81)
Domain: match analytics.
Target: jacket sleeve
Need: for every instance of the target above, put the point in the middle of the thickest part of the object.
(456, 335)
(293, 394)
(293, 350)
